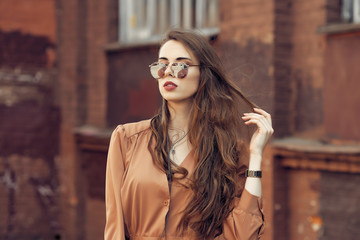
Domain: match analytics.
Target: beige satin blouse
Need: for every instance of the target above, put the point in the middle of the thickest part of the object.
(137, 194)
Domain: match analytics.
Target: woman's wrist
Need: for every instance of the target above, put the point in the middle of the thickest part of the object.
(255, 162)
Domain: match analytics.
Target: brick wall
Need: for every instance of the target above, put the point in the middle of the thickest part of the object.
(311, 182)
(35, 17)
(340, 88)
(311, 69)
(25, 50)
(340, 214)
(97, 36)
(83, 31)
(307, 64)
(298, 61)
(245, 44)
(73, 92)
(133, 94)
(283, 87)
(271, 47)
(93, 150)
(29, 146)
(27, 33)
(29, 122)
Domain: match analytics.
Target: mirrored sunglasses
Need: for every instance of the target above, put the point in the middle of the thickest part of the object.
(179, 69)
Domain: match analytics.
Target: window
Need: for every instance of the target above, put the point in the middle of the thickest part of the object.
(350, 11)
(147, 20)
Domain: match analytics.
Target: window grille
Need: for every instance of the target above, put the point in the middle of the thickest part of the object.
(148, 20)
(350, 11)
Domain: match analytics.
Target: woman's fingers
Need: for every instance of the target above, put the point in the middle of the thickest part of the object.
(264, 129)
(262, 123)
(263, 120)
(263, 113)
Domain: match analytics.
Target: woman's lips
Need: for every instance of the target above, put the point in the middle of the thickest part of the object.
(169, 86)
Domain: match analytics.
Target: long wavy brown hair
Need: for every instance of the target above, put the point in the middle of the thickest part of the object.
(218, 136)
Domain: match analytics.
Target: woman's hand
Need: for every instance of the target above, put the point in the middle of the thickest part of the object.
(257, 144)
(264, 130)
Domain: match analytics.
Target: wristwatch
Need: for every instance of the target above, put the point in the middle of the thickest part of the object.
(249, 173)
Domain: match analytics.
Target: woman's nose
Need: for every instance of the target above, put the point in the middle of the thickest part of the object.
(168, 71)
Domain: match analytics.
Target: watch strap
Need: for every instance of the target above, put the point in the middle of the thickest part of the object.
(249, 173)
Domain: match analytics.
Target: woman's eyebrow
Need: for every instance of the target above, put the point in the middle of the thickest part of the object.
(179, 58)
(183, 58)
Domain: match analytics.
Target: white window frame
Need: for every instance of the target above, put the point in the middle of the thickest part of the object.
(350, 11)
(160, 16)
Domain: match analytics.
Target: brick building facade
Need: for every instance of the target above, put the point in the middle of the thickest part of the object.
(29, 121)
(66, 82)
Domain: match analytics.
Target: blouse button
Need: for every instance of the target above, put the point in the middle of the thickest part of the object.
(166, 202)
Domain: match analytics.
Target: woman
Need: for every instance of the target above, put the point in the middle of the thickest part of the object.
(181, 175)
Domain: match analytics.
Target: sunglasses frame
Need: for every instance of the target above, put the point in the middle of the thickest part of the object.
(184, 65)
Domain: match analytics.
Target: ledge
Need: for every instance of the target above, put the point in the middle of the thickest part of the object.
(339, 28)
(92, 139)
(299, 153)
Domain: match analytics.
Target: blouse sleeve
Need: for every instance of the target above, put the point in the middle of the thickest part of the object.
(114, 228)
(246, 221)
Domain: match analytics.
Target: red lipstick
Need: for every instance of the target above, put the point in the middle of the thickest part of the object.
(168, 85)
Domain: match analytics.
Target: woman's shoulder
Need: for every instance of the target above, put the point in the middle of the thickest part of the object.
(134, 128)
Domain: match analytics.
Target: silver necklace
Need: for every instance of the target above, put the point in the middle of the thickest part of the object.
(172, 149)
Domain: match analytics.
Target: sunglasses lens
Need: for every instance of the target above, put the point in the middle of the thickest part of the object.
(157, 70)
(180, 70)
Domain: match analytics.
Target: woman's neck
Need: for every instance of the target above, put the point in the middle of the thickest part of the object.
(179, 116)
